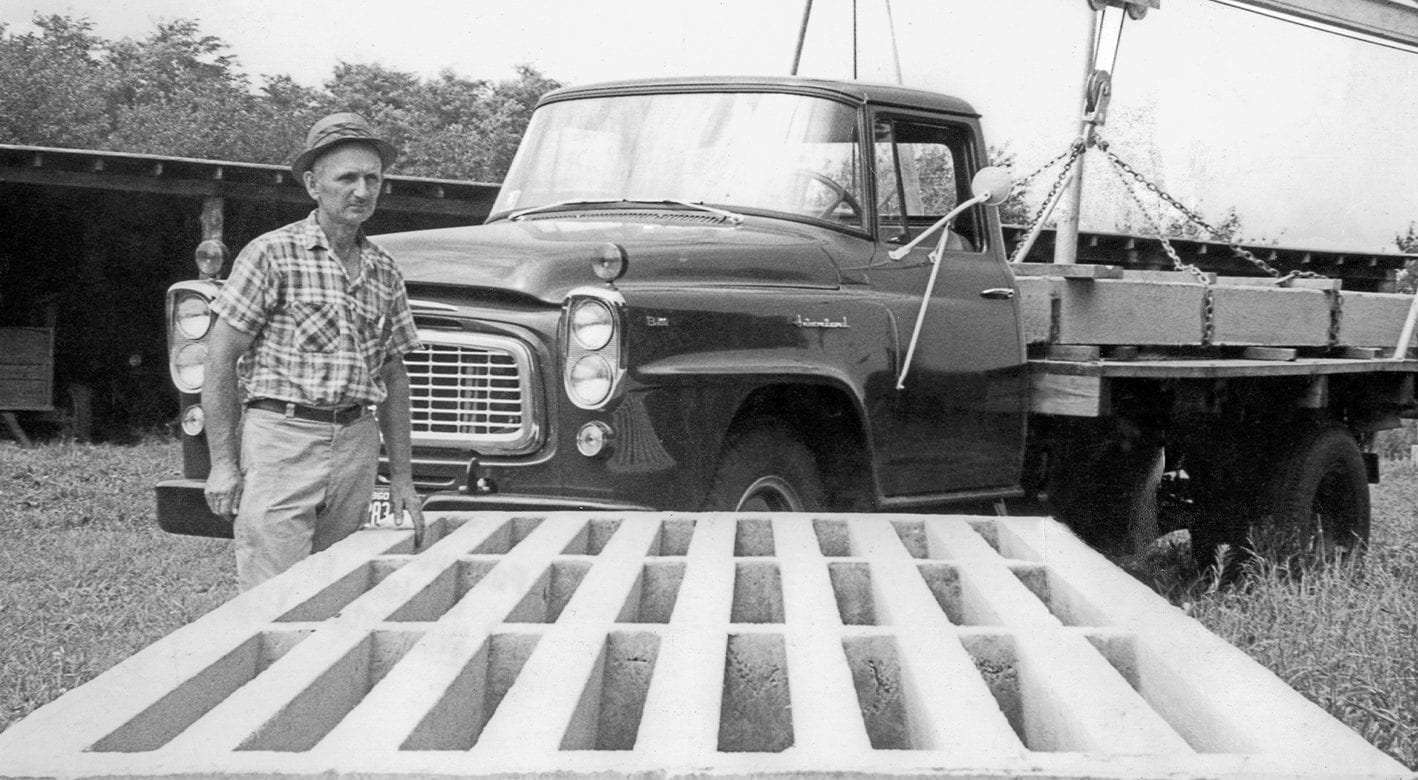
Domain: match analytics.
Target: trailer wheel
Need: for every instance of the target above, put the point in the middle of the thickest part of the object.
(1318, 502)
(766, 469)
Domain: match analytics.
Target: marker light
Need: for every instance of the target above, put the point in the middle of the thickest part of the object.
(193, 420)
(594, 438)
(211, 255)
(610, 262)
(592, 323)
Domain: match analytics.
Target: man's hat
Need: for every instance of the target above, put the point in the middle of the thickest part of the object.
(337, 129)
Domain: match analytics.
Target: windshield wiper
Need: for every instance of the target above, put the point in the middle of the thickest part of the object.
(728, 216)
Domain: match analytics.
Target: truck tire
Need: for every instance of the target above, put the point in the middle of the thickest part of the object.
(1318, 501)
(1313, 508)
(1107, 493)
(766, 469)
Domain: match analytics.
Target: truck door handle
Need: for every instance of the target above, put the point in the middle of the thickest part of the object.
(997, 293)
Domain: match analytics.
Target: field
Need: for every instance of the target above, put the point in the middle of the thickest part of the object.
(87, 579)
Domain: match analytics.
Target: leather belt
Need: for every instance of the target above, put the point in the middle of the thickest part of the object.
(341, 416)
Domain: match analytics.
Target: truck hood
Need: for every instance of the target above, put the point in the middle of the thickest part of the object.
(545, 258)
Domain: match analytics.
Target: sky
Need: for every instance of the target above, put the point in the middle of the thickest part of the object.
(1309, 136)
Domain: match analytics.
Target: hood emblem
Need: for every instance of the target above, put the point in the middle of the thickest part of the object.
(824, 322)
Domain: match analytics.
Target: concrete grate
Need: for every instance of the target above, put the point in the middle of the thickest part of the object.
(711, 644)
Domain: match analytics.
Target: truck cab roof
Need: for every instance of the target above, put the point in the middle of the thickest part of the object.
(856, 92)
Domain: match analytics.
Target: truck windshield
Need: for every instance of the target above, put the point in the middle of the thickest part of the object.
(743, 151)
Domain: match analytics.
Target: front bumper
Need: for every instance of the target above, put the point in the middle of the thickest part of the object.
(182, 506)
(450, 501)
(182, 509)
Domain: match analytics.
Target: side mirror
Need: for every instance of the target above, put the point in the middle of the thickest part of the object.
(992, 185)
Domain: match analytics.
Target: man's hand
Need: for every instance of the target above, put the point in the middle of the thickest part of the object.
(403, 498)
(223, 490)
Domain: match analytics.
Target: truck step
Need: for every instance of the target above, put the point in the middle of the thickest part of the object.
(580, 644)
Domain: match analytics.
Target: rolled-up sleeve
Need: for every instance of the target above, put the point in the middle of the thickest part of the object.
(403, 334)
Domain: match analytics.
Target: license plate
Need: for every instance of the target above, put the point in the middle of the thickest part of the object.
(381, 510)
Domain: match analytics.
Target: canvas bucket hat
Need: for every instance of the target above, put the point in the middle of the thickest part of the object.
(337, 129)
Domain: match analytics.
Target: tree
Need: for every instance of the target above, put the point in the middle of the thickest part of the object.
(1408, 243)
(53, 85)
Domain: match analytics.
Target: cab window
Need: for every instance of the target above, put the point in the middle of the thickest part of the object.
(922, 172)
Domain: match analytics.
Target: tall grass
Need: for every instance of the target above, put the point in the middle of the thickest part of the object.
(1345, 636)
(86, 576)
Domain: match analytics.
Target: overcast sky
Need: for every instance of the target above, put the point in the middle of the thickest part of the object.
(1310, 136)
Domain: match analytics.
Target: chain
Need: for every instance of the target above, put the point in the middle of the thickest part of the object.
(1236, 248)
(1075, 150)
(1208, 297)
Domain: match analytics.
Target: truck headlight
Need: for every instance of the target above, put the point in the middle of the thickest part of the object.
(189, 325)
(591, 323)
(593, 346)
(590, 380)
(191, 315)
(189, 367)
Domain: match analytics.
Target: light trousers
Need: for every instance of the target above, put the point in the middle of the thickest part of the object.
(306, 485)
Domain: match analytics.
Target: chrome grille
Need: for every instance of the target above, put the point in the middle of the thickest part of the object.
(468, 390)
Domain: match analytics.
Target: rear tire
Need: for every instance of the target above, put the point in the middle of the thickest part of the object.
(766, 469)
(1318, 502)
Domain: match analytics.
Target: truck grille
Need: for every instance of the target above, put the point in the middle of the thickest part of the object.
(471, 390)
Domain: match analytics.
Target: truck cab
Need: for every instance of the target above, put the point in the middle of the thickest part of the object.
(685, 298)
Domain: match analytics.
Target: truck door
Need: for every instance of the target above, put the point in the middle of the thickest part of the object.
(958, 424)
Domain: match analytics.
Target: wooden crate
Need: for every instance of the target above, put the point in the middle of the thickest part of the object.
(26, 369)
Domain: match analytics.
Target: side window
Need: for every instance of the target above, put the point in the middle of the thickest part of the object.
(922, 172)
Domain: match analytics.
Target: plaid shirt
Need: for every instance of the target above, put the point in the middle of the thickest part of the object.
(320, 338)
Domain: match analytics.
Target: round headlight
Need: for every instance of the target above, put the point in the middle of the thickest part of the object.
(592, 323)
(594, 439)
(189, 367)
(591, 380)
(193, 420)
(192, 316)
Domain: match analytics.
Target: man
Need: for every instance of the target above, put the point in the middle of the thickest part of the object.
(313, 323)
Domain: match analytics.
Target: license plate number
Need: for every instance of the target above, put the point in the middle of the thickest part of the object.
(381, 510)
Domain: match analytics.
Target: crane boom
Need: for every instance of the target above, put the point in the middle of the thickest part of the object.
(1395, 21)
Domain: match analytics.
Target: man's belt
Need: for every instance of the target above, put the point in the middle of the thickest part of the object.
(344, 415)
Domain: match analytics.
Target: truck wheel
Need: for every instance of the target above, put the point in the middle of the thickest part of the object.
(1108, 495)
(1318, 502)
(1313, 508)
(766, 469)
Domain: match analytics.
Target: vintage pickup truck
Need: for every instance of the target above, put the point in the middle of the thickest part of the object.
(701, 294)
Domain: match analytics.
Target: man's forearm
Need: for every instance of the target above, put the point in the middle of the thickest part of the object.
(394, 422)
(221, 405)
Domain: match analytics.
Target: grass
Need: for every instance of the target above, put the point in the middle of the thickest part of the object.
(86, 576)
(87, 579)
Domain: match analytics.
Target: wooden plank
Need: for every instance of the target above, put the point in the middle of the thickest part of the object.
(1076, 352)
(1121, 311)
(1373, 319)
(27, 369)
(1224, 368)
(1179, 277)
(1268, 353)
(1270, 316)
(1078, 271)
(1293, 282)
(26, 346)
(1122, 352)
(1068, 395)
(1038, 306)
(1358, 353)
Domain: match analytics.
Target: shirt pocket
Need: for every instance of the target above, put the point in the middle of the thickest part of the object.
(317, 326)
(369, 326)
